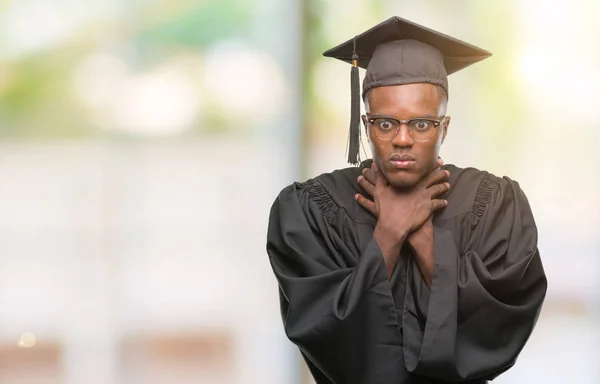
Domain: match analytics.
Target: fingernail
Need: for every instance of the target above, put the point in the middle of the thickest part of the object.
(447, 185)
(447, 172)
(364, 171)
(359, 178)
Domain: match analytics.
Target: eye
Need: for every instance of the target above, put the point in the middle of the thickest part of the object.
(421, 125)
(384, 125)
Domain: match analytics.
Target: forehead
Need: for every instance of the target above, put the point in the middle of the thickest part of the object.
(407, 100)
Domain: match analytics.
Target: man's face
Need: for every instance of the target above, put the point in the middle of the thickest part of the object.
(405, 102)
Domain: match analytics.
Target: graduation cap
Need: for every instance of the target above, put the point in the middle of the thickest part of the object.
(395, 52)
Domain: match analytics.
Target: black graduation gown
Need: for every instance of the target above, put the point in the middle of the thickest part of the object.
(353, 325)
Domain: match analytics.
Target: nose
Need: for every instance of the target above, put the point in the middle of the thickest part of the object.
(403, 138)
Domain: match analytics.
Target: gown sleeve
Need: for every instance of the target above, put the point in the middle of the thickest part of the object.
(336, 303)
(486, 298)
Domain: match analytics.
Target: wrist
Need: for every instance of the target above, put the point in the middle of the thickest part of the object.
(392, 237)
(420, 238)
(421, 235)
(389, 242)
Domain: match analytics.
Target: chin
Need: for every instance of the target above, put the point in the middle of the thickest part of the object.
(403, 180)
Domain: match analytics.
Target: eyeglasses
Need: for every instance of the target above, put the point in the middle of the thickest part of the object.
(419, 129)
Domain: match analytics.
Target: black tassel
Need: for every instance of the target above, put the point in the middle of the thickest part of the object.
(354, 135)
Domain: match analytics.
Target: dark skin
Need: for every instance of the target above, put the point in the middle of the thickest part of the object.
(404, 200)
(421, 239)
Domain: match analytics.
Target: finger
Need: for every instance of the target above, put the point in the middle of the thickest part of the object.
(438, 189)
(367, 204)
(440, 161)
(374, 167)
(438, 204)
(380, 181)
(366, 185)
(369, 175)
(437, 176)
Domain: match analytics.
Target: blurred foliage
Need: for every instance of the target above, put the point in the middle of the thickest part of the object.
(194, 24)
(497, 88)
(317, 41)
(37, 99)
(314, 44)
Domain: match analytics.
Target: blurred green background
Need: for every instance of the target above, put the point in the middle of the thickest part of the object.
(142, 143)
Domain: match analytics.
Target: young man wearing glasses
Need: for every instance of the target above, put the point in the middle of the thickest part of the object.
(402, 270)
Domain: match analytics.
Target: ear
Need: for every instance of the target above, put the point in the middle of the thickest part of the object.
(445, 127)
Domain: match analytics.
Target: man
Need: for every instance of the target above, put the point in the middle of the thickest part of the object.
(402, 270)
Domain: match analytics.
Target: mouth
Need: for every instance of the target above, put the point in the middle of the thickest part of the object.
(402, 161)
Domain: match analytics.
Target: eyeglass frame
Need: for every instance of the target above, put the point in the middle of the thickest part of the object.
(436, 123)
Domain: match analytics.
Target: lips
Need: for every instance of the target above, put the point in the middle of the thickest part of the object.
(402, 161)
(397, 157)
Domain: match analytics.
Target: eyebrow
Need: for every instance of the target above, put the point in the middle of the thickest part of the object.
(377, 116)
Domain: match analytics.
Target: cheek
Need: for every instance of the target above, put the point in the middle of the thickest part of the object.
(430, 153)
(375, 146)
(381, 151)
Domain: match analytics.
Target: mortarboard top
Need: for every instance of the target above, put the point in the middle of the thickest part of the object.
(398, 51)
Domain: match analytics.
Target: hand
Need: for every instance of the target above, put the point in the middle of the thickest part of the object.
(421, 236)
(368, 180)
(400, 212)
